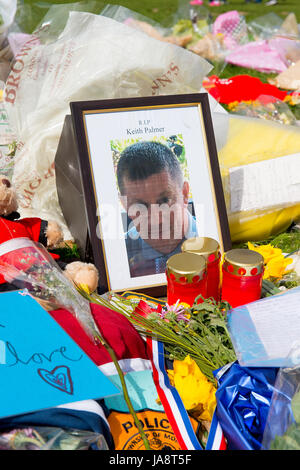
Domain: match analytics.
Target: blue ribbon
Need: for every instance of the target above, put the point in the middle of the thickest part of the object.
(243, 401)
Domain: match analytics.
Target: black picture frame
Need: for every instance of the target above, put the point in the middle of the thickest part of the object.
(81, 146)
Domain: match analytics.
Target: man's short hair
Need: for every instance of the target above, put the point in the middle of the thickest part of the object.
(143, 159)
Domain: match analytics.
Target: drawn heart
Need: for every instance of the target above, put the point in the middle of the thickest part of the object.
(59, 377)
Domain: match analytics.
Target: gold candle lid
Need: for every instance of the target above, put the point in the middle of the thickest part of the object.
(186, 267)
(204, 246)
(243, 262)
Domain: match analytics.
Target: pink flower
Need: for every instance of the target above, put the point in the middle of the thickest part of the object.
(177, 310)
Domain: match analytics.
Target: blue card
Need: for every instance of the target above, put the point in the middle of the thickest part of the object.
(141, 389)
(40, 365)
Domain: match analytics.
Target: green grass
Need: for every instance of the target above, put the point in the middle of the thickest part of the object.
(165, 12)
(231, 70)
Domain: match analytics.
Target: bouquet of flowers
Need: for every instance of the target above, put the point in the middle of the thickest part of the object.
(195, 343)
(199, 331)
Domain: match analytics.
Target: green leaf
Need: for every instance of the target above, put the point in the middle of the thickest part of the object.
(289, 441)
(295, 404)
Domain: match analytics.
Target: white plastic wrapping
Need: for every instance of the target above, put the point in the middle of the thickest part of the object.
(94, 58)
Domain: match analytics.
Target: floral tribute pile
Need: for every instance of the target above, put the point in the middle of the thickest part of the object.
(195, 350)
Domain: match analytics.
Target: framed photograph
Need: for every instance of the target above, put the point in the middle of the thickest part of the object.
(151, 179)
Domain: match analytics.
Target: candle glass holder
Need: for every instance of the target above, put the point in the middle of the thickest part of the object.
(186, 278)
(242, 274)
(210, 249)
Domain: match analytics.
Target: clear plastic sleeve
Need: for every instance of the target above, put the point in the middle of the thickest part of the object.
(8, 10)
(271, 110)
(265, 26)
(28, 265)
(51, 438)
(282, 430)
(136, 20)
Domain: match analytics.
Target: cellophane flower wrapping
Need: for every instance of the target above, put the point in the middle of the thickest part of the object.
(28, 265)
(51, 438)
(243, 401)
(282, 430)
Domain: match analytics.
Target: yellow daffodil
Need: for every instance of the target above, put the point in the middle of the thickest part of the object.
(274, 260)
(267, 251)
(276, 267)
(196, 392)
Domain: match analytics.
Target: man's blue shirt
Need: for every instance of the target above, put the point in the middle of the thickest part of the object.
(145, 260)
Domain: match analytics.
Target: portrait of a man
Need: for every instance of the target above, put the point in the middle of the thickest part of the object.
(155, 195)
(150, 179)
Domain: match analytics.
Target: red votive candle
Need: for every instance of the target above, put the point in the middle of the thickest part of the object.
(210, 249)
(242, 273)
(186, 278)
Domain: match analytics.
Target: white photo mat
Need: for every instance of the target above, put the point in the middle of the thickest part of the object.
(146, 124)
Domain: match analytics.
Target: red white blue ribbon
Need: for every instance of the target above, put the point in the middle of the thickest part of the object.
(175, 410)
(216, 439)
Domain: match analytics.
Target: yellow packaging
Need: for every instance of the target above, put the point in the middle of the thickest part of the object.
(251, 140)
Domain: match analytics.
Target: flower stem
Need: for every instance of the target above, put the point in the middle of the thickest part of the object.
(112, 354)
